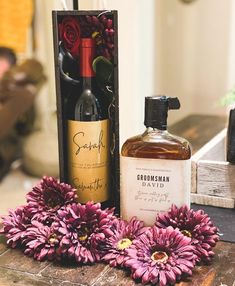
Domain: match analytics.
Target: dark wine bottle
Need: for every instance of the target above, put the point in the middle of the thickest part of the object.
(88, 135)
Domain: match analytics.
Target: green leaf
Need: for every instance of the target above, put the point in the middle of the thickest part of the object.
(229, 98)
(103, 69)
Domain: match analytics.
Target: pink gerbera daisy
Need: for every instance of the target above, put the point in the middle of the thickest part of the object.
(123, 233)
(160, 256)
(83, 227)
(15, 225)
(48, 196)
(42, 242)
(195, 224)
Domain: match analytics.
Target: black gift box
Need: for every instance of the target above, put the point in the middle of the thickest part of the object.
(67, 77)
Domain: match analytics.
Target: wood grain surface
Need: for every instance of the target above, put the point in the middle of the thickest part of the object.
(18, 269)
(213, 180)
(198, 129)
(216, 179)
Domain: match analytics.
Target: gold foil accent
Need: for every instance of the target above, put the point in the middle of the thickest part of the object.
(88, 159)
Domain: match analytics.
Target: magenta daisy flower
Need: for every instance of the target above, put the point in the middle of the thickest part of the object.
(83, 228)
(123, 233)
(49, 196)
(194, 224)
(15, 225)
(160, 256)
(42, 242)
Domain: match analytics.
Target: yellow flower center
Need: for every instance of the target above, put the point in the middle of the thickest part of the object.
(83, 234)
(53, 239)
(159, 256)
(186, 233)
(83, 237)
(124, 243)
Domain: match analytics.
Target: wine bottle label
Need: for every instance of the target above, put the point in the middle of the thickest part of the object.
(151, 186)
(88, 159)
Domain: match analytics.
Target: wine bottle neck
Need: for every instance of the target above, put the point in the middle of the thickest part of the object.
(87, 83)
(87, 57)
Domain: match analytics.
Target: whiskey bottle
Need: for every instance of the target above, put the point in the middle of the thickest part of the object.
(155, 166)
(88, 135)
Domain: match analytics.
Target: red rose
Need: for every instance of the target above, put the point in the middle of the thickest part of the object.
(69, 31)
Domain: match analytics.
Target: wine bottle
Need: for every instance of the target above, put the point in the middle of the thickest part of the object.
(88, 135)
(155, 166)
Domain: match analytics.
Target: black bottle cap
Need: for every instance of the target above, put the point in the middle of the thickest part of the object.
(156, 110)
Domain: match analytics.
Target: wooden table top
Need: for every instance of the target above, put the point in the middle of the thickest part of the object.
(199, 129)
(18, 269)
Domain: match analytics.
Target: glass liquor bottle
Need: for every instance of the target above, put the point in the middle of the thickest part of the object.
(155, 166)
(88, 135)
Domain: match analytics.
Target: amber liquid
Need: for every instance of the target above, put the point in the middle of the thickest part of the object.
(157, 144)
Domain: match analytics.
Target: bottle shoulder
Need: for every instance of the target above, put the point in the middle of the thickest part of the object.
(158, 145)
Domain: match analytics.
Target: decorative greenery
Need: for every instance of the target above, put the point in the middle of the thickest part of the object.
(103, 69)
(229, 98)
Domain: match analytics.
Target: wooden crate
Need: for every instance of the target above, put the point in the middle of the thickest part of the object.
(213, 178)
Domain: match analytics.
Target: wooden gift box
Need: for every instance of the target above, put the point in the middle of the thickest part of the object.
(57, 17)
(213, 178)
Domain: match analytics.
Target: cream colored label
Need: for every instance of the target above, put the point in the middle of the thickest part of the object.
(150, 186)
(88, 159)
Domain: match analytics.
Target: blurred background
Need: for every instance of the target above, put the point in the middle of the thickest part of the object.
(178, 48)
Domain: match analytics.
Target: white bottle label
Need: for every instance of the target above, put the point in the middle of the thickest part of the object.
(150, 186)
